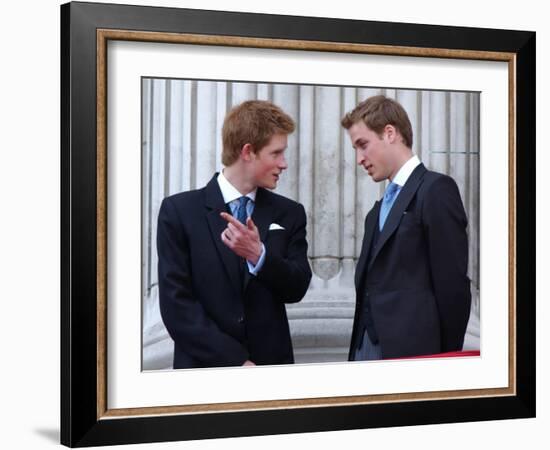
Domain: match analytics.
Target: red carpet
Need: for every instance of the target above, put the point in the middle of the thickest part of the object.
(445, 355)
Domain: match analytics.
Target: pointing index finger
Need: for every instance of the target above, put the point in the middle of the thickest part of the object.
(229, 218)
(250, 223)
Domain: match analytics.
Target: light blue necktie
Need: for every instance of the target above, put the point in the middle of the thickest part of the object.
(387, 202)
(241, 210)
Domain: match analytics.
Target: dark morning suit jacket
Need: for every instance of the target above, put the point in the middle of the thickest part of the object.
(413, 293)
(214, 310)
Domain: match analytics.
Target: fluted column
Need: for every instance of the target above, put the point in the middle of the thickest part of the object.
(350, 232)
(146, 200)
(157, 187)
(306, 145)
(241, 92)
(264, 91)
(187, 121)
(222, 106)
(439, 132)
(286, 96)
(206, 132)
(327, 185)
(459, 136)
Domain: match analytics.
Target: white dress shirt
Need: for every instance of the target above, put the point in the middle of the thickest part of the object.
(405, 172)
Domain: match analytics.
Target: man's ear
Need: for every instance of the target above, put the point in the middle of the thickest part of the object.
(247, 152)
(391, 133)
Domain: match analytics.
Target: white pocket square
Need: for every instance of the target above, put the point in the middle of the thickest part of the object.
(275, 226)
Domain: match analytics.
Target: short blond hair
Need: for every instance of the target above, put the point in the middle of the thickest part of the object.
(252, 122)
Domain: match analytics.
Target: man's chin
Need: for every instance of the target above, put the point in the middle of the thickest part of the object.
(377, 179)
(269, 186)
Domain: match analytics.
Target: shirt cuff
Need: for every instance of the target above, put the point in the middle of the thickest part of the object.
(254, 269)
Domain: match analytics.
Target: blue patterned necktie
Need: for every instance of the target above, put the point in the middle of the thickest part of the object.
(387, 202)
(241, 210)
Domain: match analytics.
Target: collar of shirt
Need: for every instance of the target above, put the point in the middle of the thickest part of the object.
(405, 172)
(230, 192)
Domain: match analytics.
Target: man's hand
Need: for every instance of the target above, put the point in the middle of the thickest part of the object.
(248, 363)
(243, 240)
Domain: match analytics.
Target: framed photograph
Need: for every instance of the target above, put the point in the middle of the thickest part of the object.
(144, 95)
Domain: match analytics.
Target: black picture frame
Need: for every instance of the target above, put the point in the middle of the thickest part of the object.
(82, 420)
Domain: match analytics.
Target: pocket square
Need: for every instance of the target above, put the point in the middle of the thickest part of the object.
(275, 226)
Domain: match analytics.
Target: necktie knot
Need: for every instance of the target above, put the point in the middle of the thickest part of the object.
(241, 210)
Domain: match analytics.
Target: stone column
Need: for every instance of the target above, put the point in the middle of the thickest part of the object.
(438, 149)
(207, 129)
(327, 184)
(286, 96)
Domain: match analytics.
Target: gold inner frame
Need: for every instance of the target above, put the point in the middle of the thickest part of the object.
(103, 36)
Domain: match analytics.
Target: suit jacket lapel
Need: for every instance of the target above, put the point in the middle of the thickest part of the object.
(214, 202)
(370, 223)
(401, 202)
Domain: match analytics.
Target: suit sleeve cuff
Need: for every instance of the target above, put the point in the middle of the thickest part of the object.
(254, 269)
